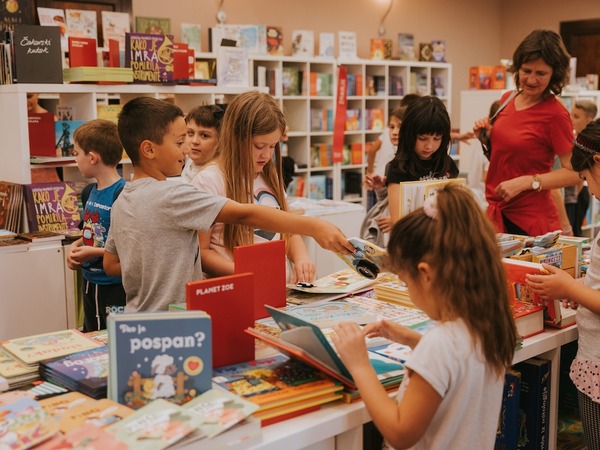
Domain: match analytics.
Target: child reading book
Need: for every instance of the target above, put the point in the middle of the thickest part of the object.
(153, 239)
(455, 373)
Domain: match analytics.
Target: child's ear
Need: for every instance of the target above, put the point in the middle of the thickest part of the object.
(596, 158)
(146, 149)
(425, 271)
(94, 157)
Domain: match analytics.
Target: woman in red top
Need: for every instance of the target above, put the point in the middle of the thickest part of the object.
(527, 134)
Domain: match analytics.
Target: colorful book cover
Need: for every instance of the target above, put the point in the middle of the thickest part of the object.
(161, 355)
(218, 297)
(157, 425)
(220, 410)
(406, 46)
(11, 206)
(24, 424)
(381, 48)
(253, 39)
(303, 43)
(153, 25)
(367, 258)
(269, 279)
(82, 52)
(55, 17)
(330, 313)
(101, 413)
(38, 54)
(232, 66)
(109, 112)
(274, 381)
(16, 13)
(12, 367)
(33, 349)
(507, 435)
(63, 136)
(58, 405)
(274, 40)
(41, 134)
(438, 51)
(347, 44)
(52, 206)
(327, 45)
(82, 23)
(344, 281)
(88, 436)
(190, 35)
(114, 26)
(150, 57)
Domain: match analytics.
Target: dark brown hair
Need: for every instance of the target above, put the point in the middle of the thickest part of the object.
(100, 136)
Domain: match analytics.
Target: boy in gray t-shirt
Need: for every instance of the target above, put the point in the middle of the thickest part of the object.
(153, 241)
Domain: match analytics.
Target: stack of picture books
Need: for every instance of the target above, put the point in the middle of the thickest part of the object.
(393, 290)
(280, 387)
(85, 371)
(16, 373)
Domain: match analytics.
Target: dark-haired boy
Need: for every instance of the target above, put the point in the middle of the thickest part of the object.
(97, 152)
(153, 240)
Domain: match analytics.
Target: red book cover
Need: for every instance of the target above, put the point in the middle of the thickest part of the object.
(266, 260)
(41, 134)
(229, 302)
(83, 52)
(114, 57)
(181, 65)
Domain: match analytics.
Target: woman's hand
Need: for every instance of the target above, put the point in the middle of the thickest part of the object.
(482, 123)
(509, 189)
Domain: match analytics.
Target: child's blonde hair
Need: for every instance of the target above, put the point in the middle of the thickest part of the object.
(459, 242)
(249, 114)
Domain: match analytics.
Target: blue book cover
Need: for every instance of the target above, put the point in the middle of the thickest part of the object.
(154, 355)
(507, 434)
(63, 136)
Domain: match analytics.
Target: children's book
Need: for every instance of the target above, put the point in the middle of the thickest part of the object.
(218, 297)
(406, 46)
(63, 136)
(152, 25)
(347, 45)
(409, 317)
(345, 281)
(41, 134)
(38, 54)
(24, 424)
(101, 413)
(269, 276)
(232, 66)
(150, 57)
(367, 259)
(83, 52)
(330, 313)
(274, 40)
(55, 17)
(82, 23)
(303, 43)
(190, 35)
(220, 410)
(414, 193)
(33, 349)
(114, 26)
(159, 355)
(88, 437)
(306, 341)
(58, 405)
(327, 45)
(52, 206)
(157, 425)
(274, 382)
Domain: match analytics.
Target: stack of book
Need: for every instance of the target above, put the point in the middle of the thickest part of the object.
(11, 206)
(391, 289)
(281, 387)
(85, 372)
(16, 373)
(98, 74)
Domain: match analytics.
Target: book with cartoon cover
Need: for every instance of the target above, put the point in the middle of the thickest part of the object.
(159, 355)
(345, 281)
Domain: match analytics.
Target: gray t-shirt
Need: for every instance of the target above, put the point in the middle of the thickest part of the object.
(153, 230)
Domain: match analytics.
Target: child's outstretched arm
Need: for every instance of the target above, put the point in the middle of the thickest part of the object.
(304, 267)
(403, 424)
(326, 234)
(559, 284)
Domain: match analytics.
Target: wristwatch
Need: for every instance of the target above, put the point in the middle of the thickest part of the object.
(536, 184)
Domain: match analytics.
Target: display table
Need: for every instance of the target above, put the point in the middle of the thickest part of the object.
(339, 425)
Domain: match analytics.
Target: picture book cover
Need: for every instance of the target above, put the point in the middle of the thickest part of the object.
(275, 381)
(190, 35)
(82, 23)
(269, 278)
(52, 206)
(101, 413)
(344, 281)
(414, 193)
(254, 39)
(88, 436)
(55, 17)
(63, 136)
(109, 112)
(303, 43)
(381, 48)
(11, 206)
(58, 405)
(153, 25)
(275, 40)
(157, 425)
(41, 134)
(33, 349)
(327, 45)
(38, 54)
(82, 52)
(87, 370)
(218, 297)
(367, 259)
(12, 367)
(409, 317)
(114, 26)
(328, 314)
(15, 13)
(406, 46)
(220, 410)
(347, 45)
(159, 355)
(150, 57)
(24, 424)
(232, 66)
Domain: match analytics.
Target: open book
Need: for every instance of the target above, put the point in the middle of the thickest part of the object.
(414, 193)
(303, 340)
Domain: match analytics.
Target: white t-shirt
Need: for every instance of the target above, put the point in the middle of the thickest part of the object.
(471, 392)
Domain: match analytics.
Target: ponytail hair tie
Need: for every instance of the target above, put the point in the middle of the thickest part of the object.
(430, 206)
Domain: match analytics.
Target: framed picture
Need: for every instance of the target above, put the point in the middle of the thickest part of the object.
(95, 5)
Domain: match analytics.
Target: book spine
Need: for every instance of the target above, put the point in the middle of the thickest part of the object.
(535, 403)
(507, 435)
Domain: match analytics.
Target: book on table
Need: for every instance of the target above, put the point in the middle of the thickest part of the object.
(306, 341)
(414, 193)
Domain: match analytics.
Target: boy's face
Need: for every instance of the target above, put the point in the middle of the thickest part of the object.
(202, 142)
(83, 161)
(169, 156)
(579, 118)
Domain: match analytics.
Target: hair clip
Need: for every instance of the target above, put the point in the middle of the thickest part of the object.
(586, 145)
(430, 206)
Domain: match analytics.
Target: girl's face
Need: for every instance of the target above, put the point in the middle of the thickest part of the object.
(427, 145)
(202, 142)
(534, 77)
(263, 147)
(394, 127)
(592, 176)
(419, 289)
